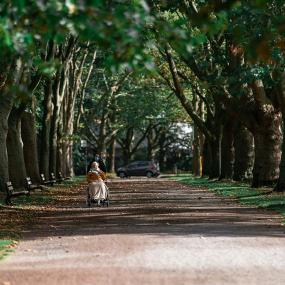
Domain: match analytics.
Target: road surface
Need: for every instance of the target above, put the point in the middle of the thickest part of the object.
(156, 231)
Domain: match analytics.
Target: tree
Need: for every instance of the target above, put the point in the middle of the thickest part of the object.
(219, 63)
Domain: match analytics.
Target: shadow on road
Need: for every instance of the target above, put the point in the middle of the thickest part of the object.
(154, 207)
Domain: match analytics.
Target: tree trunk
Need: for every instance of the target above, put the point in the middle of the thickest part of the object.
(112, 155)
(280, 186)
(67, 141)
(4, 173)
(215, 159)
(59, 91)
(59, 149)
(127, 156)
(73, 85)
(47, 116)
(151, 145)
(215, 148)
(53, 137)
(206, 161)
(227, 151)
(126, 145)
(101, 148)
(17, 169)
(162, 143)
(267, 142)
(46, 129)
(103, 125)
(196, 161)
(10, 73)
(243, 153)
(29, 137)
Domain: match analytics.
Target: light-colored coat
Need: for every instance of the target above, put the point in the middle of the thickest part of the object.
(97, 189)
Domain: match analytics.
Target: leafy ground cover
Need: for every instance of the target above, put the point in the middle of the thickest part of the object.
(26, 209)
(242, 192)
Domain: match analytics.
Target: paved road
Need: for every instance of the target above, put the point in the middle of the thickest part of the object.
(155, 232)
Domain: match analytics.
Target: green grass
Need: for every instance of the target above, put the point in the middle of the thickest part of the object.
(5, 247)
(242, 192)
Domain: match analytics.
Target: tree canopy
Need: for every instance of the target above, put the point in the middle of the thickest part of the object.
(125, 74)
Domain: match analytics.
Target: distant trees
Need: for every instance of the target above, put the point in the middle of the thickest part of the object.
(124, 110)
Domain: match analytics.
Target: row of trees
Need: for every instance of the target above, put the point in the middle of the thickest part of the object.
(76, 69)
(72, 71)
(130, 111)
(228, 75)
(48, 50)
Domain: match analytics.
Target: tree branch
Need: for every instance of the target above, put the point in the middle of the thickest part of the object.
(179, 92)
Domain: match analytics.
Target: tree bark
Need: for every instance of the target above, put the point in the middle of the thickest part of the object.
(126, 145)
(206, 158)
(267, 142)
(59, 161)
(47, 116)
(58, 94)
(80, 110)
(11, 73)
(214, 144)
(29, 137)
(228, 151)
(101, 147)
(112, 155)
(17, 169)
(162, 150)
(280, 186)
(67, 140)
(4, 113)
(215, 158)
(152, 144)
(243, 153)
(127, 157)
(196, 161)
(45, 136)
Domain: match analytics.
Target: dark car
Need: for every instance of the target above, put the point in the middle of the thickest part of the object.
(139, 168)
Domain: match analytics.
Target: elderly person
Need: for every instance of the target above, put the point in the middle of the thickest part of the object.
(97, 190)
(98, 158)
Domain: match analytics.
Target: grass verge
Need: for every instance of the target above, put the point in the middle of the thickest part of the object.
(6, 247)
(243, 193)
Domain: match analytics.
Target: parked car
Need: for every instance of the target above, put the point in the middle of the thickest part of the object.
(139, 168)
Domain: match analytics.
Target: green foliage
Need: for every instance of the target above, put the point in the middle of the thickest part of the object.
(5, 247)
(114, 25)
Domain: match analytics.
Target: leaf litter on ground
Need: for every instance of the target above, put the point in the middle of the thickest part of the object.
(26, 210)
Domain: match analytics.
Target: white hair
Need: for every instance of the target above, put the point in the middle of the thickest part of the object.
(95, 165)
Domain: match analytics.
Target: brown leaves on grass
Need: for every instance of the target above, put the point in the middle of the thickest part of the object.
(13, 219)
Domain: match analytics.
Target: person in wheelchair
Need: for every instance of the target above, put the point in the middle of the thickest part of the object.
(97, 191)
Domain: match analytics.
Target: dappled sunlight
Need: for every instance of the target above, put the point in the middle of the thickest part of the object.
(152, 207)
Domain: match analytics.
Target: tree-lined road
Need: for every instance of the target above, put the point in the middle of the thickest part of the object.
(156, 231)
